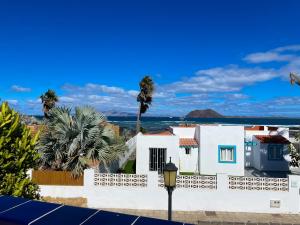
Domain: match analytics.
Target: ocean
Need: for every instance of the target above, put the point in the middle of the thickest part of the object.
(161, 123)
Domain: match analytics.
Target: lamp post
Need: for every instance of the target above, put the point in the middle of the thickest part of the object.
(170, 175)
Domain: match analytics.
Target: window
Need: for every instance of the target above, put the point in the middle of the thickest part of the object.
(188, 151)
(157, 159)
(227, 154)
(275, 152)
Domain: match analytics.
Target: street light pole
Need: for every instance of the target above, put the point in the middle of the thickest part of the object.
(170, 190)
(170, 175)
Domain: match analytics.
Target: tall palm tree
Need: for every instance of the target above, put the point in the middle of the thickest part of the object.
(48, 100)
(144, 98)
(74, 142)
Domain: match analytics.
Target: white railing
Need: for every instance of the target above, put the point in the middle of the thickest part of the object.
(131, 144)
(258, 183)
(120, 180)
(195, 182)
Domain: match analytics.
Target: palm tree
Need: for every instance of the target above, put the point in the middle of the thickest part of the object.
(48, 99)
(75, 142)
(144, 98)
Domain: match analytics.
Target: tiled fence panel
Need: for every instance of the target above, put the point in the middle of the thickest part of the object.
(121, 180)
(208, 182)
(258, 183)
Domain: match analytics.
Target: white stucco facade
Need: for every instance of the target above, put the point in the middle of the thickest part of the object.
(184, 132)
(188, 163)
(211, 137)
(145, 142)
(204, 155)
(154, 197)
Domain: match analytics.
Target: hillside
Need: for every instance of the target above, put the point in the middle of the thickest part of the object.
(206, 113)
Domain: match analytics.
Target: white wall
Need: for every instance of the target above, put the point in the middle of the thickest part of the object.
(188, 162)
(213, 136)
(155, 198)
(144, 142)
(184, 132)
(256, 154)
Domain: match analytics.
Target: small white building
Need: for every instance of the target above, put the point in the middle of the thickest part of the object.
(270, 153)
(266, 148)
(204, 149)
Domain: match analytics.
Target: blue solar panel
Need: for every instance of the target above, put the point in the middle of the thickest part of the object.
(110, 218)
(27, 212)
(19, 211)
(151, 221)
(66, 215)
(7, 202)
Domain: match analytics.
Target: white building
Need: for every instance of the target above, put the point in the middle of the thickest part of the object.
(204, 149)
(266, 148)
(213, 149)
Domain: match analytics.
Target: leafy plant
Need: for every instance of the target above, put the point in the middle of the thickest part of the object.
(74, 142)
(17, 155)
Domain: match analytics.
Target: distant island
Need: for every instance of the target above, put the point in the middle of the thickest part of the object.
(206, 113)
(210, 113)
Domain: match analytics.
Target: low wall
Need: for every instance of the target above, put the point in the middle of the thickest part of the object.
(208, 193)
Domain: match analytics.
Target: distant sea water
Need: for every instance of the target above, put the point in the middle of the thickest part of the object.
(161, 123)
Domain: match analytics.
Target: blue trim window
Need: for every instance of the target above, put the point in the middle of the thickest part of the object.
(227, 153)
(275, 152)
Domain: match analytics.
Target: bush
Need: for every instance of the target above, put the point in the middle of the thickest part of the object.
(17, 155)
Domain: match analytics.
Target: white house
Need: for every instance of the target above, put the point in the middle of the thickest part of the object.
(204, 149)
(270, 153)
(266, 148)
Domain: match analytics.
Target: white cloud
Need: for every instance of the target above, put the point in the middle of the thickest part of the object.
(18, 88)
(236, 96)
(93, 88)
(66, 99)
(292, 48)
(222, 79)
(263, 57)
(290, 55)
(13, 101)
(133, 93)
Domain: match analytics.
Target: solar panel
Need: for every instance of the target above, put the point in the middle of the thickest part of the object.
(66, 215)
(110, 218)
(27, 212)
(8, 202)
(20, 211)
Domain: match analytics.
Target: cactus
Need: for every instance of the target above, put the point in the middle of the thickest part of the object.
(17, 155)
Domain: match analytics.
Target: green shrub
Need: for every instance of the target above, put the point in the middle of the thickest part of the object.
(17, 155)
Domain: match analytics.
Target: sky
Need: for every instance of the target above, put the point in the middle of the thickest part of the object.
(231, 56)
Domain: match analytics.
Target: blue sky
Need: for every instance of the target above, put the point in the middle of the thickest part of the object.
(231, 56)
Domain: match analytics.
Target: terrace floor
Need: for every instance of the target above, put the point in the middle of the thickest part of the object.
(219, 218)
(252, 172)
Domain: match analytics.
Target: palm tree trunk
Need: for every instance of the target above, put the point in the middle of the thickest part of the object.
(138, 120)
